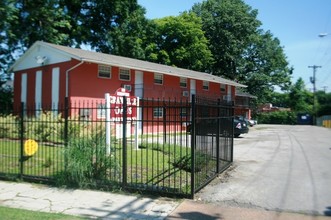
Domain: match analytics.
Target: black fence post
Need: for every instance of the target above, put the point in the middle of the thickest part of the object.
(124, 142)
(218, 136)
(141, 116)
(65, 135)
(164, 124)
(22, 140)
(193, 143)
(232, 121)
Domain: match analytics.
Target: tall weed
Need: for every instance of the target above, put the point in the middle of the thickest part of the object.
(87, 162)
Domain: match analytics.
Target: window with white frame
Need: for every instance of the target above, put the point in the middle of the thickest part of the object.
(183, 82)
(205, 85)
(104, 71)
(223, 87)
(183, 112)
(158, 112)
(125, 74)
(158, 78)
(101, 111)
(85, 114)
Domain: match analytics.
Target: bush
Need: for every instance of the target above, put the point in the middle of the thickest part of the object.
(75, 128)
(278, 117)
(45, 127)
(48, 126)
(9, 126)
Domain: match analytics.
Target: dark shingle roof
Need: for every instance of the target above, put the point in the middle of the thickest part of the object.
(101, 58)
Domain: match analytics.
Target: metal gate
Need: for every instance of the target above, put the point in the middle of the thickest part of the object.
(212, 129)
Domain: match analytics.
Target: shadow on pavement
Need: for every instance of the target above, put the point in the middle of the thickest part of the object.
(193, 216)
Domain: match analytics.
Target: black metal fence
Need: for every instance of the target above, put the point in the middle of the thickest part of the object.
(171, 147)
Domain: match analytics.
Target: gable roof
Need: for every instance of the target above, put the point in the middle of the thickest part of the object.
(130, 63)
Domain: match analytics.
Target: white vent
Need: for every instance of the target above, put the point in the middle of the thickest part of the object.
(127, 87)
(185, 93)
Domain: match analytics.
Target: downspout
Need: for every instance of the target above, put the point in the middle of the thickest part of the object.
(67, 76)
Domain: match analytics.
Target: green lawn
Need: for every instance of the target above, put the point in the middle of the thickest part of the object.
(13, 213)
(47, 161)
(152, 164)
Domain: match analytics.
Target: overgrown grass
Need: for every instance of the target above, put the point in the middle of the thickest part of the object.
(87, 164)
(13, 213)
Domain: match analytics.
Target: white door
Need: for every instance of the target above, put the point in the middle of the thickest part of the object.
(139, 92)
(192, 88)
(24, 88)
(55, 87)
(38, 90)
(139, 84)
(229, 89)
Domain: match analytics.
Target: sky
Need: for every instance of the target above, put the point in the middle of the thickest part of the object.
(296, 23)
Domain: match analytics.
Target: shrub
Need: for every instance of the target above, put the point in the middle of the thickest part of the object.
(75, 128)
(278, 117)
(9, 126)
(45, 127)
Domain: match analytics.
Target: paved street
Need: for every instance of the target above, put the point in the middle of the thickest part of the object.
(278, 167)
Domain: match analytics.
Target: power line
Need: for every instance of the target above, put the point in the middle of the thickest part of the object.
(313, 81)
(324, 88)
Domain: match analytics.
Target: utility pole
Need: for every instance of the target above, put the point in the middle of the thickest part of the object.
(313, 81)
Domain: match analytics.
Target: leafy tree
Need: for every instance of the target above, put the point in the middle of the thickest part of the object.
(116, 26)
(133, 34)
(229, 25)
(279, 99)
(180, 41)
(113, 26)
(264, 66)
(38, 20)
(6, 98)
(324, 103)
(300, 99)
(7, 12)
(243, 52)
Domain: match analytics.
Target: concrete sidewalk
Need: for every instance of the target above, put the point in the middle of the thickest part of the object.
(106, 205)
(87, 203)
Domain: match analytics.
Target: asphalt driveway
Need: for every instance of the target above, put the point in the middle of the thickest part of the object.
(277, 167)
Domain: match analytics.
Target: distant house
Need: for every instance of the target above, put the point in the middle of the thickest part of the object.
(242, 101)
(47, 73)
(268, 107)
